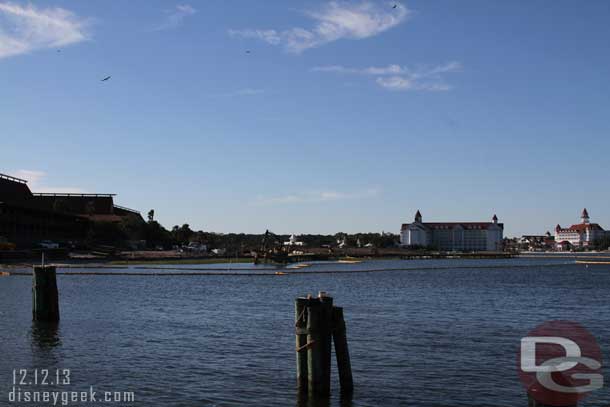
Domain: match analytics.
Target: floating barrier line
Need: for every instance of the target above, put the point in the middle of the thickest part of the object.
(126, 273)
(79, 266)
(204, 268)
(296, 272)
(111, 267)
(123, 267)
(562, 256)
(428, 268)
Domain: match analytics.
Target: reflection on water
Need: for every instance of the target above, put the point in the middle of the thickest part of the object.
(45, 335)
(346, 400)
(304, 401)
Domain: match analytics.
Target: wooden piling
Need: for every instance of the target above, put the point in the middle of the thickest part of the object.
(342, 352)
(319, 330)
(45, 299)
(300, 323)
(317, 323)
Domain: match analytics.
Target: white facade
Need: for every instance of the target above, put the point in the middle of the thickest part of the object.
(453, 236)
(579, 235)
(292, 241)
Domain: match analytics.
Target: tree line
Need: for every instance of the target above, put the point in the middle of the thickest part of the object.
(154, 236)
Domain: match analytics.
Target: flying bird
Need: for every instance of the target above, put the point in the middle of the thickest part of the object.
(106, 78)
(395, 6)
(248, 51)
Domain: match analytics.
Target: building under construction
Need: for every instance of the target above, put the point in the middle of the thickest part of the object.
(27, 218)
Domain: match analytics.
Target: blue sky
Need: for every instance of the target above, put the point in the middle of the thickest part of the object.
(313, 117)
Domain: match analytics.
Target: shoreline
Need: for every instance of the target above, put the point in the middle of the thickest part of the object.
(288, 272)
(151, 262)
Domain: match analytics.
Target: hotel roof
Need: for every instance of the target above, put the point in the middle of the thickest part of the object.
(580, 227)
(452, 225)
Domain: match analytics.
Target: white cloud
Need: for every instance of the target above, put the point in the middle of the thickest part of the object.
(315, 197)
(176, 16)
(33, 177)
(395, 83)
(390, 69)
(402, 78)
(37, 185)
(448, 67)
(26, 28)
(269, 36)
(335, 21)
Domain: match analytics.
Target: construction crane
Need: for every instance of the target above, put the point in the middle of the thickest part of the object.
(272, 250)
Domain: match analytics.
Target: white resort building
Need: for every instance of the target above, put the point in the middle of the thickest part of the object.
(581, 234)
(292, 241)
(453, 236)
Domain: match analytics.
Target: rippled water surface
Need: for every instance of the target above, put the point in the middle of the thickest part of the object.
(436, 333)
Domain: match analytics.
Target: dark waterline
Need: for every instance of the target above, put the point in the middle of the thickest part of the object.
(444, 337)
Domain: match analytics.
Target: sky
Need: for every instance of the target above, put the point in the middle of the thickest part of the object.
(313, 117)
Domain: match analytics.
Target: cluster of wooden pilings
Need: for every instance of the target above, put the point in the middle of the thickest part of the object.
(318, 323)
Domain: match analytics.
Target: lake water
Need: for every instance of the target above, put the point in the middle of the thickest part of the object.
(437, 333)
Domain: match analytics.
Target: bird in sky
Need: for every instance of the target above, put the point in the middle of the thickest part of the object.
(395, 6)
(247, 51)
(106, 78)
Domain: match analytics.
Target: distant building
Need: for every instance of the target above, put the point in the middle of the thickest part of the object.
(196, 247)
(511, 244)
(292, 241)
(27, 218)
(342, 243)
(537, 242)
(581, 234)
(453, 236)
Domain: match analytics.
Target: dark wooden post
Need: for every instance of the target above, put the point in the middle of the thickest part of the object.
(342, 352)
(300, 323)
(316, 320)
(319, 320)
(45, 299)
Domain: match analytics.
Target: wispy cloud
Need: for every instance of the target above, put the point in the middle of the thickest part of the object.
(401, 78)
(248, 92)
(269, 36)
(175, 17)
(334, 21)
(36, 182)
(26, 28)
(242, 92)
(315, 197)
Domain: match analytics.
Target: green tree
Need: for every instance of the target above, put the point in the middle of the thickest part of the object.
(156, 235)
(182, 234)
(602, 243)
